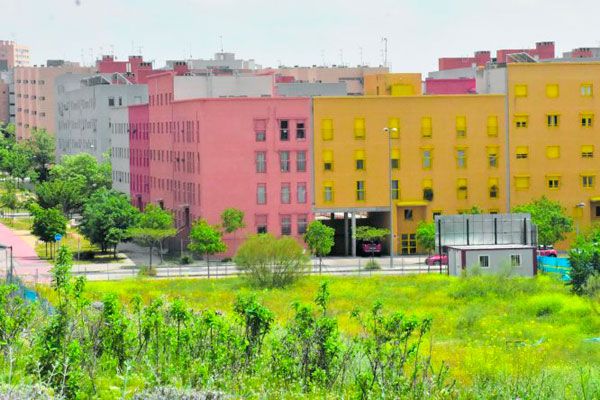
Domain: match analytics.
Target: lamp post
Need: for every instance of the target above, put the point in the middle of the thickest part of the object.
(579, 206)
(388, 131)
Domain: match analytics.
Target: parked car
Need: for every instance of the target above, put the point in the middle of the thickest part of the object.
(371, 248)
(435, 259)
(547, 251)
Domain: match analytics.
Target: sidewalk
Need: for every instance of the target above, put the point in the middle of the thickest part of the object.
(26, 264)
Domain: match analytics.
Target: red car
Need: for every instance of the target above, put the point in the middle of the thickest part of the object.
(435, 260)
(371, 248)
(547, 251)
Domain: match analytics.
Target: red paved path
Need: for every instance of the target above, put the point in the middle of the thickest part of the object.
(27, 265)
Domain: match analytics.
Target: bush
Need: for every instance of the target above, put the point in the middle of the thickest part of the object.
(372, 265)
(146, 270)
(171, 393)
(185, 260)
(271, 262)
(87, 255)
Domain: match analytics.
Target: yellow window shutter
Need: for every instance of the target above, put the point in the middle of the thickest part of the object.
(493, 182)
(521, 90)
(523, 150)
(492, 125)
(552, 90)
(359, 128)
(359, 154)
(427, 183)
(461, 123)
(402, 89)
(461, 182)
(492, 150)
(395, 154)
(426, 126)
(327, 156)
(552, 151)
(587, 149)
(394, 123)
(522, 182)
(327, 129)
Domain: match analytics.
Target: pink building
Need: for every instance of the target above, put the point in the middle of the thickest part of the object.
(4, 102)
(13, 55)
(135, 68)
(139, 164)
(542, 51)
(450, 86)
(202, 160)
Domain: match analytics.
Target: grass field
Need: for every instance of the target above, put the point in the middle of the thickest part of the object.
(481, 325)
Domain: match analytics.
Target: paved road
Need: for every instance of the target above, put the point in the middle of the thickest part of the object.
(26, 263)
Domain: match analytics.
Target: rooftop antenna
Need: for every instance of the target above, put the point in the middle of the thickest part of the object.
(112, 50)
(221, 42)
(140, 50)
(385, 51)
(323, 57)
(91, 56)
(360, 50)
(342, 57)
(132, 48)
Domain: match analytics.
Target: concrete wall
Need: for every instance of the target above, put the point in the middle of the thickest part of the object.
(354, 77)
(491, 81)
(468, 72)
(194, 87)
(119, 150)
(499, 260)
(311, 89)
(83, 118)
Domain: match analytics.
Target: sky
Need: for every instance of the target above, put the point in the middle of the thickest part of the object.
(302, 32)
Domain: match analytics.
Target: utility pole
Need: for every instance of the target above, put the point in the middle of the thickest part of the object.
(385, 51)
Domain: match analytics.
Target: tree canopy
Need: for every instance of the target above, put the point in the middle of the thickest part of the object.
(47, 222)
(206, 239)
(550, 218)
(232, 219)
(153, 227)
(320, 239)
(425, 236)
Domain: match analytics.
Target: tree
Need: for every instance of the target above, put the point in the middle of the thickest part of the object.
(206, 239)
(153, 227)
(9, 198)
(270, 261)
(232, 220)
(425, 236)
(66, 194)
(41, 146)
(17, 162)
(549, 217)
(320, 239)
(370, 234)
(107, 215)
(584, 258)
(47, 222)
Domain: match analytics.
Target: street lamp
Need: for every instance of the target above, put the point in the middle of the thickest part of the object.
(579, 206)
(388, 131)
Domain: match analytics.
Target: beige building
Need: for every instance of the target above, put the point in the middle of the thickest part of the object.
(353, 76)
(13, 55)
(35, 95)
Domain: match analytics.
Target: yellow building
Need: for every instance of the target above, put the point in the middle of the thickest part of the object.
(448, 153)
(393, 84)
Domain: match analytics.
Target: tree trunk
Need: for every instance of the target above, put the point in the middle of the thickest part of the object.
(207, 265)
(160, 251)
(320, 264)
(151, 248)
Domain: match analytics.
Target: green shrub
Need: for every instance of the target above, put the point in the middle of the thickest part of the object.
(545, 305)
(146, 270)
(372, 265)
(185, 260)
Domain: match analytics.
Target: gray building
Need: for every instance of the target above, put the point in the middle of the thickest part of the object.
(306, 89)
(83, 116)
(119, 152)
(493, 259)
(220, 61)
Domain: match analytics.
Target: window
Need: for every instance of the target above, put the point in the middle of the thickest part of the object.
(301, 193)
(302, 223)
(461, 158)
(522, 182)
(587, 151)
(300, 131)
(261, 162)
(520, 90)
(408, 243)
(552, 91)
(522, 152)
(301, 161)
(492, 125)
(395, 159)
(587, 120)
(494, 211)
(359, 128)
(328, 192)
(359, 160)
(408, 214)
(586, 89)
(395, 190)
(111, 101)
(426, 127)
(261, 223)
(492, 154)
(285, 193)
(552, 120)
(553, 152)
(521, 121)
(597, 211)
(493, 188)
(484, 261)
(286, 224)
(260, 130)
(284, 161)
(394, 125)
(462, 191)
(461, 126)
(553, 182)
(328, 160)
(261, 193)
(120, 101)
(515, 260)
(427, 159)
(588, 181)
(284, 131)
(360, 191)
(327, 129)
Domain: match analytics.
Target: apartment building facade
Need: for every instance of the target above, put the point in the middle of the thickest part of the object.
(13, 55)
(35, 96)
